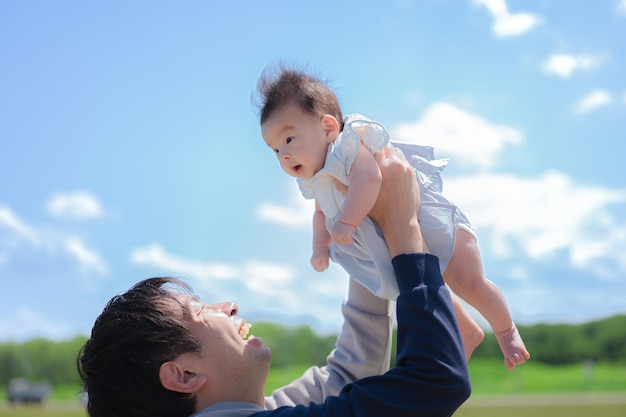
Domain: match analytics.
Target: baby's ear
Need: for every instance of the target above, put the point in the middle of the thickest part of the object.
(331, 126)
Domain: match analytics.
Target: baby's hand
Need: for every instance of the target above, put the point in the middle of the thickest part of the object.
(341, 233)
(319, 260)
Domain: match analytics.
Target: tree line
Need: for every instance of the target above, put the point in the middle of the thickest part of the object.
(554, 344)
(561, 344)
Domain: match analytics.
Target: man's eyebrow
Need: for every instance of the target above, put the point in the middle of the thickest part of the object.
(186, 305)
(197, 300)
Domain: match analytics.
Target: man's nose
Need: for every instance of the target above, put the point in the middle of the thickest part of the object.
(229, 308)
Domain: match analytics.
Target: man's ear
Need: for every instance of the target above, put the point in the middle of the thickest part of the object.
(331, 126)
(175, 377)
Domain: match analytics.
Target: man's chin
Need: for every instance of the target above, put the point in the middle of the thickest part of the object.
(256, 344)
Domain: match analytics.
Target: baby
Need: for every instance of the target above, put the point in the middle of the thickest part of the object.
(332, 159)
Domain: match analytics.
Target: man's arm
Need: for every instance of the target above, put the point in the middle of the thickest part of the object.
(363, 349)
(431, 378)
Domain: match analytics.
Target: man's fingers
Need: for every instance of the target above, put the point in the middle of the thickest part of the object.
(396, 208)
(380, 156)
(397, 153)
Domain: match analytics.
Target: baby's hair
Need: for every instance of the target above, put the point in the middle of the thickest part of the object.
(280, 85)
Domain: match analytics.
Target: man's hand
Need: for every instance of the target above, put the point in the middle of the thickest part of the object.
(396, 208)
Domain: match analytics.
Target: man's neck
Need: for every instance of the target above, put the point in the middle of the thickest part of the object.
(230, 409)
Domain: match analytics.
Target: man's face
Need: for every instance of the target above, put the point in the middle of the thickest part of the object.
(298, 139)
(225, 355)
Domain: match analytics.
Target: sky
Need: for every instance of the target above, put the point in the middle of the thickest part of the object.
(130, 148)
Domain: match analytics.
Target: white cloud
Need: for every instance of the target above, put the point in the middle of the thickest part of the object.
(564, 65)
(592, 101)
(254, 275)
(458, 133)
(543, 216)
(297, 213)
(266, 278)
(25, 238)
(156, 255)
(505, 23)
(272, 291)
(88, 259)
(75, 205)
(621, 7)
(11, 221)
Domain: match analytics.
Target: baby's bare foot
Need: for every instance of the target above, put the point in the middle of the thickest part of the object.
(512, 347)
(471, 339)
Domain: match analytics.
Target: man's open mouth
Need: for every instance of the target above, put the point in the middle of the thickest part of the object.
(244, 330)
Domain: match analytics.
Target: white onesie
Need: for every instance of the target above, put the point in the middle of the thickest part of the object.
(367, 259)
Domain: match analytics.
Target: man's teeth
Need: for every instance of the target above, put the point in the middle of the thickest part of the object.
(243, 332)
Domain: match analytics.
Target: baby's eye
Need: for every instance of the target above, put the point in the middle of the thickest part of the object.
(289, 140)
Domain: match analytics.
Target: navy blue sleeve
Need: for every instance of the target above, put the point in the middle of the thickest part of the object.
(431, 376)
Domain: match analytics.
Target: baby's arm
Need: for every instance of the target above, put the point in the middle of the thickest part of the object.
(321, 241)
(365, 179)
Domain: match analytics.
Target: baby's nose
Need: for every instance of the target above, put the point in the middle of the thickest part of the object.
(283, 154)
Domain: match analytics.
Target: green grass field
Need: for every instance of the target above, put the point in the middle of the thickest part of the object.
(491, 377)
(569, 405)
(530, 391)
(559, 410)
(480, 406)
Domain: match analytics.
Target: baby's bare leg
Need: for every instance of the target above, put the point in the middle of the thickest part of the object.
(466, 277)
(471, 333)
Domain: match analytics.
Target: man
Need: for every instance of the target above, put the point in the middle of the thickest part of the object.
(161, 352)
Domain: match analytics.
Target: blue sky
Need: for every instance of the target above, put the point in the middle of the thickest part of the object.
(130, 148)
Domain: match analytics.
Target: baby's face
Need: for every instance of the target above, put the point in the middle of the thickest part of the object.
(300, 141)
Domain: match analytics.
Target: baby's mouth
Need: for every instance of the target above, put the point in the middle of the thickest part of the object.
(297, 168)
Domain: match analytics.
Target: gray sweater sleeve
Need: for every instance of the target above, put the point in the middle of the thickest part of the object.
(362, 349)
